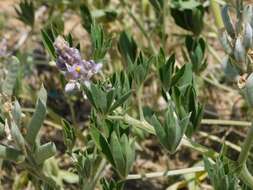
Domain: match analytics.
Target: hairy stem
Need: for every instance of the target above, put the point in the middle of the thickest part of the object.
(217, 15)
(144, 125)
(139, 96)
(242, 160)
(167, 173)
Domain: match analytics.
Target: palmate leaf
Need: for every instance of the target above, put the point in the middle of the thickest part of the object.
(118, 155)
(69, 135)
(188, 15)
(171, 131)
(102, 144)
(26, 12)
(166, 72)
(48, 43)
(127, 47)
(100, 42)
(11, 77)
(222, 173)
(86, 17)
(120, 101)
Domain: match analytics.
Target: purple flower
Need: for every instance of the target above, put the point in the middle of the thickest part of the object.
(70, 62)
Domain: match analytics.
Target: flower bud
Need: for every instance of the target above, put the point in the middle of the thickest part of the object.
(248, 14)
(248, 90)
(225, 42)
(247, 38)
(239, 51)
(227, 22)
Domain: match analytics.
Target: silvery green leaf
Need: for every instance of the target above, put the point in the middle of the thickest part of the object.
(11, 154)
(118, 155)
(68, 176)
(248, 14)
(11, 77)
(69, 135)
(18, 137)
(16, 112)
(229, 68)
(248, 90)
(44, 152)
(225, 42)
(248, 36)
(227, 21)
(38, 116)
(239, 51)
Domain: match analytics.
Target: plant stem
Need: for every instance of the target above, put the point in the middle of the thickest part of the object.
(246, 147)
(225, 122)
(164, 25)
(139, 96)
(218, 85)
(217, 15)
(139, 25)
(167, 173)
(144, 125)
(242, 160)
(246, 176)
(98, 173)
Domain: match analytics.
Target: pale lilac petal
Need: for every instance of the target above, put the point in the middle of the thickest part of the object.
(72, 86)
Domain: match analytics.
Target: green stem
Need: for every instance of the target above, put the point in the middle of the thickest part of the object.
(164, 25)
(246, 147)
(217, 14)
(144, 125)
(225, 122)
(139, 25)
(218, 85)
(167, 173)
(242, 160)
(246, 176)
(98, 173)
(139, 96)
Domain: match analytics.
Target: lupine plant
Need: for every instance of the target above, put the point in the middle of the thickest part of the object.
(135, 87)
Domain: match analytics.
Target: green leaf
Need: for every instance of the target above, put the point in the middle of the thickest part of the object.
(222, 174)
(16, 112)
(48, 44)
(11, 77)
(69, 177)
(99, 97)
(127, 47)
(118, 156)
(157, 4)
(38, 117)
(188, 15)
(11, 154)
(166, 72)
(69, 135)
(44, 152)
(100, 43)
(248, 90)
(102, 144)
(86, 17)
(121, 100)
(18, 137)
(26, 12)
(227, 21)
